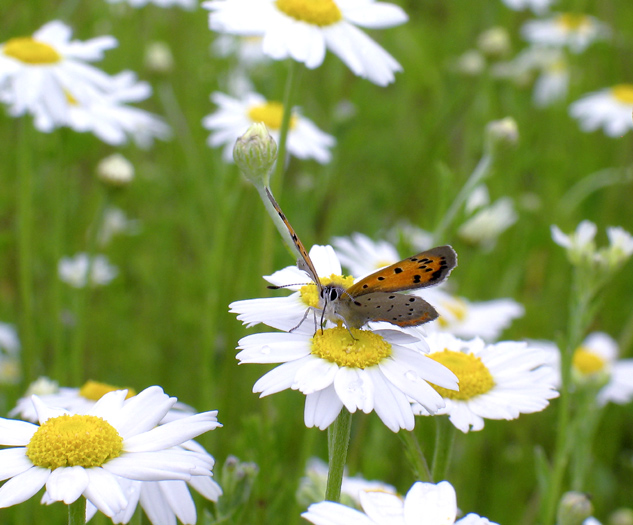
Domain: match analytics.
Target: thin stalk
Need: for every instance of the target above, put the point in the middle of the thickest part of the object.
(277, 181)
(83, 294)
(481, 170)
(338, 441)
(444, 439)
(25, 252)
(77, 512)
(416, 456)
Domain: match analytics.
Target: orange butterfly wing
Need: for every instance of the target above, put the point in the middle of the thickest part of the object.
(419, 271)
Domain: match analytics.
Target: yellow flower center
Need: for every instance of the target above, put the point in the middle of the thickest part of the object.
(316, 12)
(573, 22)
(457, 308)
(271, 114)
(474, 378)
(587, 362)
(74, 441)
(337, 346)
(94, 390)
(310, 293)
(623, 93)
(31, 51)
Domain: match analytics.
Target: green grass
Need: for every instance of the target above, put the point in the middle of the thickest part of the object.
(205, 241)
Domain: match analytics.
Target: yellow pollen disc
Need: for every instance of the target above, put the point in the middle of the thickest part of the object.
(31, 51)
(474, 378)
(457, 308)
(316, 12)
(74, 441)
(271, 114)
(310, 293)
(94, 390)
(573, 22)
(623, 93)
(587, 362)
(337, 346)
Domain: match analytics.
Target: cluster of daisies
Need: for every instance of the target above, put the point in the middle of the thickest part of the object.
(50, 76)
(115, 448)
(555, 40)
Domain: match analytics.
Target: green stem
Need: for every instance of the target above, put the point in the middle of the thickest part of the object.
(25, 252)
(579, 319)
(416, 456)
(277, 181)
(77, 512)
(480, 172)
(83, 293)
(338, 441)
(445, 434)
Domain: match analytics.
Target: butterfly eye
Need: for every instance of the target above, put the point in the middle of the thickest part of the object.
(333, 294)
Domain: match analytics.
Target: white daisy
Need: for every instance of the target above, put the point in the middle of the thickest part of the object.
(107, 115)
(485, 226)
(549, 63)
(45, 72)
(362, 255)
(78, 400)
(537, 6)
(115, 222)
(75, 455)
(287, 313)
(609, 109)
(74, 270)
(304, 29)
(433, 504)
(463, 318)
(10, 370)
(373, 370)
(579, 245)
(234, 117)
(574, 31)
(595, 362)
(496, 381)
(187, 4)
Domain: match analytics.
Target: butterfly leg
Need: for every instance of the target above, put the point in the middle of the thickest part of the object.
(305, 315)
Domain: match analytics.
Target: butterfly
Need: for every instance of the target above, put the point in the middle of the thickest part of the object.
(375, 297)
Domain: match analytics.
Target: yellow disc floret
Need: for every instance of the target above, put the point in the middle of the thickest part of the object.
(30, 51)
(94, 390)
(474, 377)
(573, 22)
(310, 293)
(316, 12)
(623, 93)
(271, 114)
(363, 350)
(74, 441)
(587, 362)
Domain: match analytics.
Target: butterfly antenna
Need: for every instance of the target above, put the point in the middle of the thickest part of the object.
(274, 287)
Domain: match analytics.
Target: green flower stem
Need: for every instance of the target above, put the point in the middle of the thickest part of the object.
(579, 318)
(445, 434)
(480, 172)
(338, 435)
(83, 293)
(416, 456)
(277, 181)
(77, 512)
(25, 252)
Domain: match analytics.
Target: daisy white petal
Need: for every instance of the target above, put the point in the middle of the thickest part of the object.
(13, 461)
(575, 31)
(609, 109)
(304, 30)
(322, 408)
(23, 486)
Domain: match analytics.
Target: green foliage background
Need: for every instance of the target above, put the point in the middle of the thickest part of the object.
(206, 241)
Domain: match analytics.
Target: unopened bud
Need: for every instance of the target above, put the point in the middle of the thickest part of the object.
(255, 153)
(115, 170)
(621, 516)
(574, 508)
(504, 131)
(494, 42)
(159, 58)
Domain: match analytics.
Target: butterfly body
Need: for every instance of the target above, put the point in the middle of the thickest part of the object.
(376, 297)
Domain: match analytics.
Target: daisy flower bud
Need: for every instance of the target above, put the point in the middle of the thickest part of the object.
(255, 153)
(574, 508)
(504, 131)
(115, 170)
